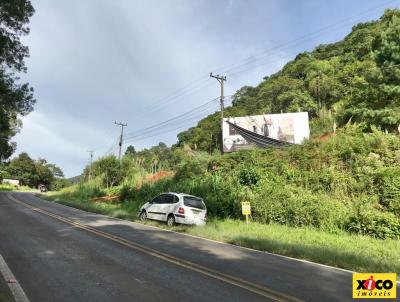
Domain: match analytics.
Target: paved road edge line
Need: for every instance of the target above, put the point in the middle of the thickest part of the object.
(13, 284)
(203, 238)
(233, 280)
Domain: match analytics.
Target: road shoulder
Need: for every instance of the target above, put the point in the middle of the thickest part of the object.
(10, 289)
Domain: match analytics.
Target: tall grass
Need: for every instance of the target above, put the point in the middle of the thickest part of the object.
(358, 253)
(349, 183)
(8, 187)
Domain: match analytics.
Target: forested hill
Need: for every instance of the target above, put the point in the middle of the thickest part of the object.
(356, 79)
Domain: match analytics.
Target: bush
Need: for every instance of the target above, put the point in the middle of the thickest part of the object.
(109, 170)
(387, 181)
(318, 184)
(222, 195)
(59, 183)
(248, 177)
(292, 206)
(195, 166)
(374, 223)
(125, 193)
(114, 191)
(86, 191)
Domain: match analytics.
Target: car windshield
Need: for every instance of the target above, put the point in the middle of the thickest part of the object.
(193, 202)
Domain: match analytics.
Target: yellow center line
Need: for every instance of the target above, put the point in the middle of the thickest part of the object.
(249, 286)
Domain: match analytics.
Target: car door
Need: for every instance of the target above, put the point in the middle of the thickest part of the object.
(153, 208)
(165, 206)
(158, 208)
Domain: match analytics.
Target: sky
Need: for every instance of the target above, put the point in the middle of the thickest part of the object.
(94, 62)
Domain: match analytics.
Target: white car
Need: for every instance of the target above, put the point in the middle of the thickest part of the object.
(175, 208)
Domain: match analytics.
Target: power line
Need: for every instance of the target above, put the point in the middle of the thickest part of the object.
(175, 118)
(195, 85)
(176, 97)
(111, 148)
(341, 23)
(163, 132)
(192, 116)
(110, 133)
(167, 128)
(201, 82)
(160, 128)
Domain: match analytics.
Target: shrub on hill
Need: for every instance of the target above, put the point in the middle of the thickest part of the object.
(349, 182)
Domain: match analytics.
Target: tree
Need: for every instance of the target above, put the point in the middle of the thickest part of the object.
(15, 99)
(387, 56)
(109, 167)
(59, 184)
(375, 97)
(33, 172)
(23, 168)
(44, 174)
(130, 150)
(55, 171)
(322, 83)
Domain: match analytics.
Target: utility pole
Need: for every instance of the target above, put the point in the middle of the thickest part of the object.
(121, 137)
(318, 90)
(221, 80)
(91, 162)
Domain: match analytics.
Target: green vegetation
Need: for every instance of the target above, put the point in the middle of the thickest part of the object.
(358, 253)
(8, 188)
(353, 252)
(348, 183)
(16, 99)
(313, 201)
(334, 199)
(32, 173)
(79, 198)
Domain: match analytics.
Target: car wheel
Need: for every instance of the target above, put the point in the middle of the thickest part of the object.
(143, 216)
(171, 220)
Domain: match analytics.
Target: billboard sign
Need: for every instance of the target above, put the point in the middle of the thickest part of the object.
(286, 127)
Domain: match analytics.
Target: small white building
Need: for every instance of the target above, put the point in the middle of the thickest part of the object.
(14, 182)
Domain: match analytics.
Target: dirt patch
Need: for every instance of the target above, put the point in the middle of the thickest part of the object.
(109, 199)
(324, 137)
(159, 175)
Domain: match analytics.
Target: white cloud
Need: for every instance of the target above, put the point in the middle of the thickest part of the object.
(59, 139)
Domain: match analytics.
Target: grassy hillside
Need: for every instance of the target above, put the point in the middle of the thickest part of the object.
(307, 200)
(350, 182)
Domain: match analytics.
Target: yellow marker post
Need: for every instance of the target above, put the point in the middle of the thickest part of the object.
(246, 210)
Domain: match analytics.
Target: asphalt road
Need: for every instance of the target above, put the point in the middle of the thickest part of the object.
(59, 253)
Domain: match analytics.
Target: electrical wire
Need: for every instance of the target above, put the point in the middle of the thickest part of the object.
(173, 119)
(251, 60)
(201, 82)
(167, 128)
